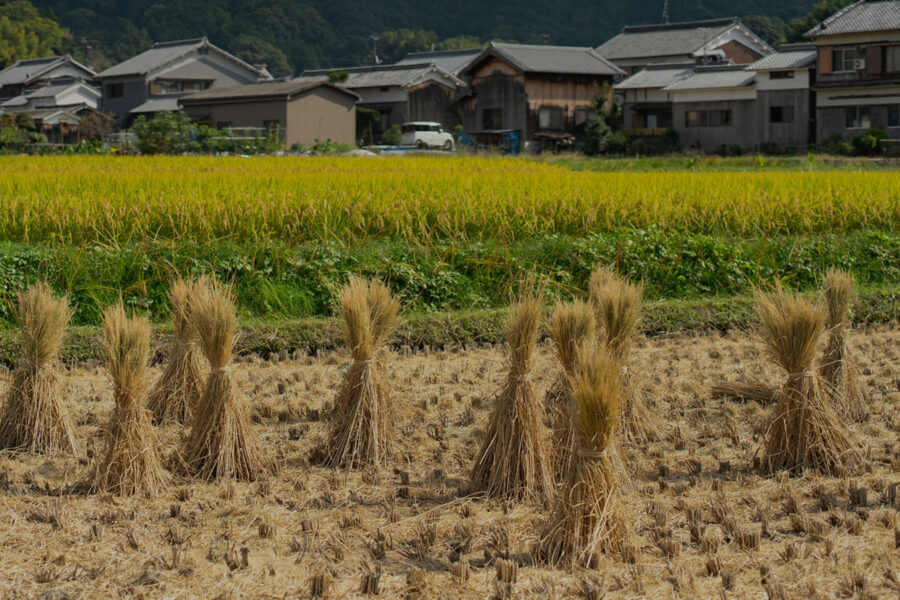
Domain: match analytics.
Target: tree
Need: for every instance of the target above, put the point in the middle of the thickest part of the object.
(821, 11)
(338, 77)
(602, 134)
(25, 33)
(258, 51)
(770, 29)
(94, 125)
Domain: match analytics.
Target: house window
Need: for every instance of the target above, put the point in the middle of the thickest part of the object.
(719, 118)
(893, 111)
(583, 114)
(550, 117)
(892, 59)
(115, 90)
(781, 114)
(781, 75)
(492, 118)
(695, 118)
(844, 59)
(385, 88)
(857, 117)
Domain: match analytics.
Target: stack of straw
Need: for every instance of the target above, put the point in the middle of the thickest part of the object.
(130, 464)
(34, 419)
(177, 391)
(513, 461)
(586, 521)
(804, 432)
(361, 426)
(221, 442)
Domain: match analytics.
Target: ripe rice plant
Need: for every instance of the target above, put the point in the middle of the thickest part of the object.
(420, 199)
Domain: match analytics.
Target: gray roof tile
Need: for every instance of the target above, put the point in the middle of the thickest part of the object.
(25, 70)
(569, 60)
(860, 17)
(793, 59)
(452, 61)
(656, 77)
(163, 53)
(378, 76)
(715, 78)
(282, 89)
(675, 39)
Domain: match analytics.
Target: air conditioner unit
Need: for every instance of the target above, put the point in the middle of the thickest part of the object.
(859, 64)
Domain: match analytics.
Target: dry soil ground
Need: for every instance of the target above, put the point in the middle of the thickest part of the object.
(412, 523)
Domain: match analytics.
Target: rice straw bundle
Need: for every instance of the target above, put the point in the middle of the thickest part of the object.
(221, 442)
(838, 368)
(513, 460)
(586, 520)
(617, 306)
(804, 432)
(571, 324)
(361, 425)
(177, 391)
(33, 418)
(130, 465)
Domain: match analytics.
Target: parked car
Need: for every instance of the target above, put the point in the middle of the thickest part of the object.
(426, 134)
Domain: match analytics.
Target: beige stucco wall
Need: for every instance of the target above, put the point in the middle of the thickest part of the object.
(322, 113)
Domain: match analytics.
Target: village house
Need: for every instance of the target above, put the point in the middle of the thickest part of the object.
(154, 80)
(544, 95)
(785, 101)
(709, 42)
(858, 72)
(301, 112)
(56, 92)
(400, 93)
(714, 108)
(647, 104)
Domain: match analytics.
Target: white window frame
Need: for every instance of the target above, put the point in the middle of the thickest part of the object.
(859, 111)
(843, 63)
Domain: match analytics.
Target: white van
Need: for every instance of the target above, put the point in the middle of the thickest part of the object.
(426, 134)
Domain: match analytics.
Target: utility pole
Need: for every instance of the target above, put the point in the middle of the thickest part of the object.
(375, 39)
(665, 14)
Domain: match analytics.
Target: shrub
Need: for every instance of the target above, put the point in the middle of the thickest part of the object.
(391, 137)
(868, 143)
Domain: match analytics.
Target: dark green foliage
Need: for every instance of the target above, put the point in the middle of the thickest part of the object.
(272, 279)
(17, 133)
(770, 29)
(391, 136)
(821, 11)
(869, 143)
(336, 33)
(602, 135)
(26, 33)
(173, 132)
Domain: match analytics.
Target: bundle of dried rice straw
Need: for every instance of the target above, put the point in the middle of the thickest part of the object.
(130, 463)
(34, 418)
(513, 461)
(838, 368)
(362, 422)
(177, 391)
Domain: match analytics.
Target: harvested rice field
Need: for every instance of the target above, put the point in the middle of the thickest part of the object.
(702, 522)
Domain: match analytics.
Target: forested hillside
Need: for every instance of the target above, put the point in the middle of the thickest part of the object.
(292, 35)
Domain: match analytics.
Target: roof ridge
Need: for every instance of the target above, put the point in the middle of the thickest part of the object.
(681, 25)
(185, 42)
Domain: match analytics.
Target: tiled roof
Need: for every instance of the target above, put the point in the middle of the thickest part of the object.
(452, 61)
(675, 39)
(284, 89)
(860, 17)
(793, 59)
(714, 78)
(380, 75)
(656, 77)
(24, 70)
(157, 104)
(569, 60)
(163, 53)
